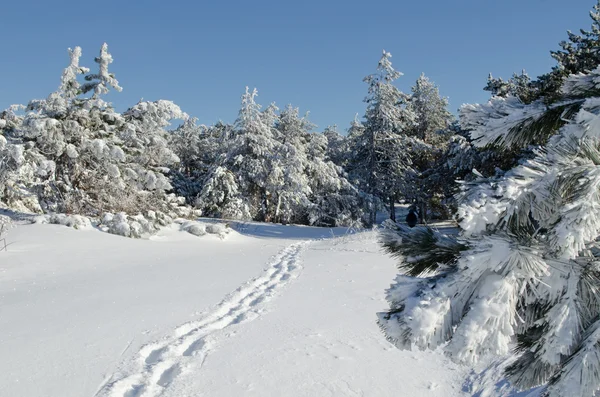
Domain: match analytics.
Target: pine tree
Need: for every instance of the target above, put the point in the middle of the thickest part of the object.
(99, 82)
(334, 201)
(337, 146)
(431, 111)
(69, 153)
(145, 141)
(526, 267)
(293, 190)
(70, 87)
(220, 196)
(252, 156)
(200, 149)
(432, 121)
(580, 53)
(519, 85)
(381, 152)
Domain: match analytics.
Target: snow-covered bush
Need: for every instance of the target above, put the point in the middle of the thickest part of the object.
(5, 225)
(135, 226)
(74, 221)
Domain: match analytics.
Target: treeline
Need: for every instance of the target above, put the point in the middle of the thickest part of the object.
(74, 153)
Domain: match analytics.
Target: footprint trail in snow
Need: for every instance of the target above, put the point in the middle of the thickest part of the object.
(160, 363)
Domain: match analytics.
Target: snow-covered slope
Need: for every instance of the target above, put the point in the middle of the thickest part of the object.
(270, 311)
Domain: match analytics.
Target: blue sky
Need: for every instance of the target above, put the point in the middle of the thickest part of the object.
(312, 54)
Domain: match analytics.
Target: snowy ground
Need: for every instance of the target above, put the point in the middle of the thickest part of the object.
(270, 311)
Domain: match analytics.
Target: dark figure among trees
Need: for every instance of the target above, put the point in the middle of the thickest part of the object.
(412, 218)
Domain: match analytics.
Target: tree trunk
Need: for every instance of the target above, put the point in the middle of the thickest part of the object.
(392, 209)
(371, 179)
(278, 208)
(372, 218)
(423, 212)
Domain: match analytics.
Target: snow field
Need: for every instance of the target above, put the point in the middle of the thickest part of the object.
(86, 313)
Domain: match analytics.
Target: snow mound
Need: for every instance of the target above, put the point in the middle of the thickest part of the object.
(195, 228)
(218, 228)
(200, 228)
(74, 221)
(135, 226)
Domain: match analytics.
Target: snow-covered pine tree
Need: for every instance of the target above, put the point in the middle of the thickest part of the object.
(526, 268)
(11, 162)
(200, 150)
(519, 85)
(276, 179)
(252, 156)
(186, 142)
(334, 201)
(62, 146)
(220, 196)
(337, 146)
(432, 122)
(580, 53)
(70, 87)
(356, 128)
(462, 162)
(432, 117)
(149, 158)
(381, 151)
(99, 82)
(355, 141)
(293, 134)
(75, 154)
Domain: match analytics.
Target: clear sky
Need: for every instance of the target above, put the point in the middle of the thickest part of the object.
(310, 53)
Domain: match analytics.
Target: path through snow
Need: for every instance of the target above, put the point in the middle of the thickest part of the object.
(320, 338)
(161, 362)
